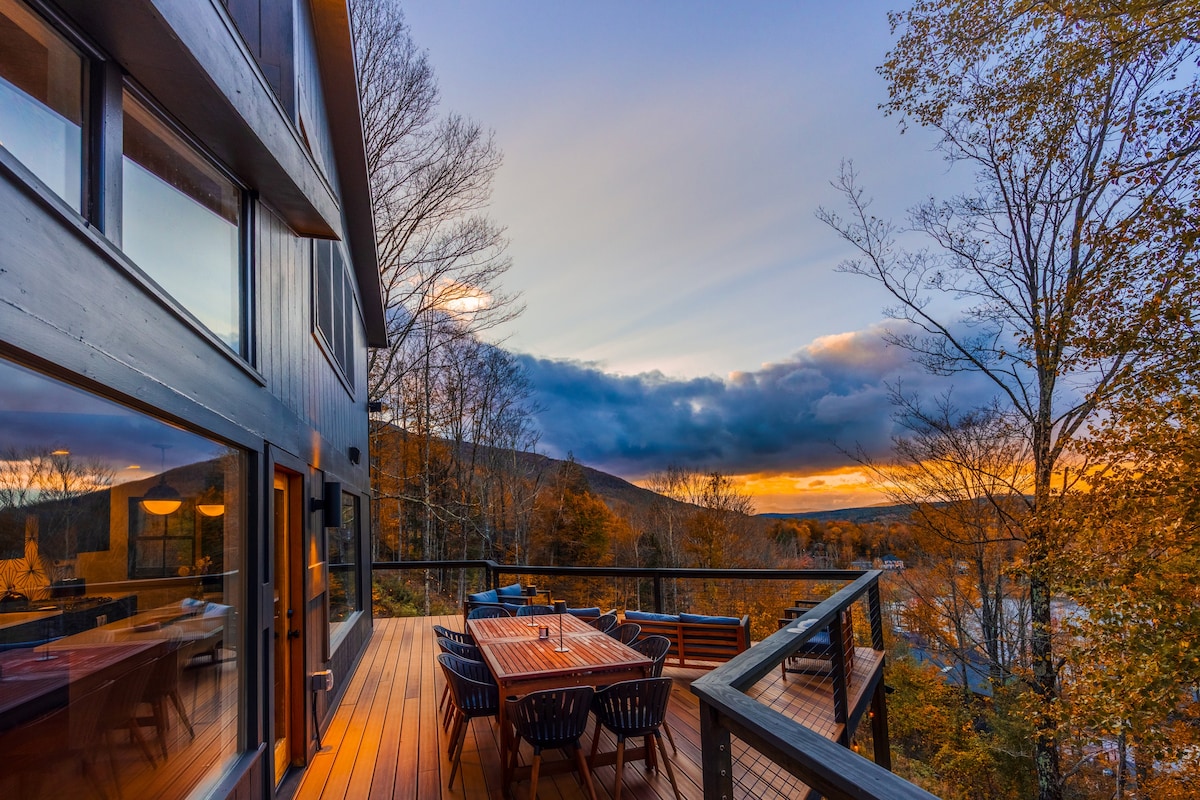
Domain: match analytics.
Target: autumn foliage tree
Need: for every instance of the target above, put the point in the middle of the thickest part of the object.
(1079, 121)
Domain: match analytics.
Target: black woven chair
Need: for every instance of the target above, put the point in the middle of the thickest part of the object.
(656, 647)
(534, 611)
(633, 709)
(551, 719)
(604, 622)
(626, 632)
(473, 697)
(459, 649)
(443, 632)
(486, 612)
(453, 635)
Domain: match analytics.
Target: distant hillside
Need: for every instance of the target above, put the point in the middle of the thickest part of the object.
(868, 514)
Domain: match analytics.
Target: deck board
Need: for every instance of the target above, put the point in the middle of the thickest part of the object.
(386, 741)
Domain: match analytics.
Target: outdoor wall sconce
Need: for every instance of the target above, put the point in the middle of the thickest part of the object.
(355, 455)
(329, 504)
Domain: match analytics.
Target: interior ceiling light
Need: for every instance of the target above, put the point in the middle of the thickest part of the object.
(162, 499)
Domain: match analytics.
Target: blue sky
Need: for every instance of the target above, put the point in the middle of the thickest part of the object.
(663, 162)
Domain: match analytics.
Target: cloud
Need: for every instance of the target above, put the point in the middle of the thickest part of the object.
(786, 417)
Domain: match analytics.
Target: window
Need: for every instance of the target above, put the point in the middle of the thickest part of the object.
(343, 566)
(123, 535)
(334, 313)
(181, 222)
(41, 97)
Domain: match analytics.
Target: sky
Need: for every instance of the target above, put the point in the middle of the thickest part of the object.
(663, 163)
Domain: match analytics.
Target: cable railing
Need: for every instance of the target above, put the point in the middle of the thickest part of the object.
(779, 719)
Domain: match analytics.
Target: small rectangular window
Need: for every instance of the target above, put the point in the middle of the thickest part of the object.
(333, 305)
(41, 95)
(181, 222)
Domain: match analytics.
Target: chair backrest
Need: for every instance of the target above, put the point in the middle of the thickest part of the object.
(634, 708)
(654, 647)
(626, 632)
(468, 651)
(604, 622)
(474, 698)
(553, 717)
(454, 636)
(534, 611)
(486, 612)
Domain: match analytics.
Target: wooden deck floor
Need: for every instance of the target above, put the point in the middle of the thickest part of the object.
(386, 740)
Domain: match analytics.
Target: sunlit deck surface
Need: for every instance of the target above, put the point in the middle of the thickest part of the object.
(386, 738)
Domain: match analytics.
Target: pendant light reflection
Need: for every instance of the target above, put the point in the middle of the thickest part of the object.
(162, 499)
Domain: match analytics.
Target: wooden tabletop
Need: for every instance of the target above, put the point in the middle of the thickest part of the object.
(495, 629)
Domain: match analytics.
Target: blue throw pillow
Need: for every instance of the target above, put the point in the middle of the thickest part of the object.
(707, 620)
(489, 596)
(512, 590)
(650, 616)
(511, 608)
(594, 611)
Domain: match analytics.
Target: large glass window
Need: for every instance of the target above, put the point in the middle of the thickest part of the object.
(41, 101)
(181, 221)
(334, 309)
(120, 597)
(343, 566)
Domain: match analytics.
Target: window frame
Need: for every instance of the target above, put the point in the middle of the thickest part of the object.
(344, 320)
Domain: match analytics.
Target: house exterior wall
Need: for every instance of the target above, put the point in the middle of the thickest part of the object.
(76, 309)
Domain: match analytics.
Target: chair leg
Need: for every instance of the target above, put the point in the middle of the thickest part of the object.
(585, 774)
(456, 755)
(651, 755)
(670, 769)
(533, 773)
(595, 743)
(620, 766)
(670, 738)
(178, 703)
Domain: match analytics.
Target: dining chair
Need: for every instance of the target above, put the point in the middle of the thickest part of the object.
(534, 611)
(604, 622)
(473, 697)
(550, 719)
(459, 649)
(634, 709)
(455, 636)
(626, 632)
(161, 686)
(487, 612)
(656, 647)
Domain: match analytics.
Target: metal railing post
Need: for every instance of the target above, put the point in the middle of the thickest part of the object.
(875, 611)
(658, 594)
(841, 682)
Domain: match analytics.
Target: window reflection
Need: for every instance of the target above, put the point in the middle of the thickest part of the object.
(119, 626)
(41, 101)
(180, 222)
(343, 566)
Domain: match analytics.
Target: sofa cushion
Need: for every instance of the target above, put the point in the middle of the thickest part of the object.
(490, 596)
(709, 620)
(594, 611)
(650, 616)
(511, 608)
(512, 590)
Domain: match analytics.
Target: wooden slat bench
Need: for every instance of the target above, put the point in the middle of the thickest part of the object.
(698, 644)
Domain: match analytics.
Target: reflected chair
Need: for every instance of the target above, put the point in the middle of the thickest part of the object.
(604, 622)
(473, 697)
(487, 612)
(634, 709)
(534, 611)
(550, 719)
(161, 686)
(626, 632)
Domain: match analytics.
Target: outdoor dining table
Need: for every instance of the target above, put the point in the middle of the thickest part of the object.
(522, 663)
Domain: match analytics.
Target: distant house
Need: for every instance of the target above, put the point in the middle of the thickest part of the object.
(891, 562)
(862, 564)
(188, 288)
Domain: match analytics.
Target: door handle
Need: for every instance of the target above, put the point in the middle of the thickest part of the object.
(293, 634)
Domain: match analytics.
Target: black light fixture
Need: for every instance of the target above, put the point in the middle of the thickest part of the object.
(355, 455)
(560, 608)
(329, 504)
(162, 499)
